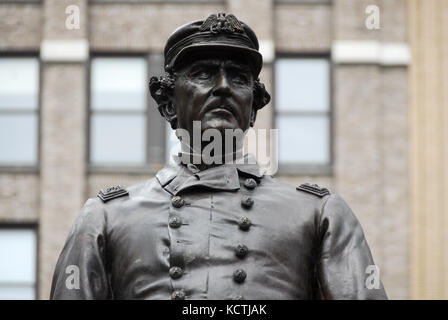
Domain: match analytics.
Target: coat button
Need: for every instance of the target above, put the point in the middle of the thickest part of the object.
(244, 223)
(250, 183)
(241, 250)
(239, 275)
(175, 222)
(177, 202)
(176, 272)
(178, 295)
(247, 201)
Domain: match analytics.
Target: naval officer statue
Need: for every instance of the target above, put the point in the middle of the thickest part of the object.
(215, 231)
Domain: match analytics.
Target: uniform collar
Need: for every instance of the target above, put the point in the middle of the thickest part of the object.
(176, 178)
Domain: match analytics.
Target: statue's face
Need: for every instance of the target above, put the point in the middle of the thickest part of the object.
(216, 90)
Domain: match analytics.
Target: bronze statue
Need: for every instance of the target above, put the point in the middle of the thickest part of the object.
(215, 231)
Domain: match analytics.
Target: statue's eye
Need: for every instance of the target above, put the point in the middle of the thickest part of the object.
(201, 73)
(240, 78)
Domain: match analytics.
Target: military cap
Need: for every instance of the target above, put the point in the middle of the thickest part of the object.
(219, 32)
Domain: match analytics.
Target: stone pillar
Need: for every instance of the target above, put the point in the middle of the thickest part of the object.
(370, 133)
(428, 32)
(64, 55)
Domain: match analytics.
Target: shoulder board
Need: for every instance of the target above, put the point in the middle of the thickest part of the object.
(112, 193)
(314, 189)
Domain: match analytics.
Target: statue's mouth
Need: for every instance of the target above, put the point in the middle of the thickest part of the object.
(222, 108)
(221, 111)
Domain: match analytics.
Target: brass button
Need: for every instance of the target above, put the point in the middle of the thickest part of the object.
(244, 223)
(176, 272)
(175, 222)
(178, 295)
(250, 183)
(177, 202)
(247, 201)
(241, 250)
(239, 275)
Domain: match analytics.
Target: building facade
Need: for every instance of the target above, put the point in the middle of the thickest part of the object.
(74, 91)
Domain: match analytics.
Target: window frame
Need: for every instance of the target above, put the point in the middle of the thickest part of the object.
(32, 168)
(298, 168)
(154, 66)
(35, 228)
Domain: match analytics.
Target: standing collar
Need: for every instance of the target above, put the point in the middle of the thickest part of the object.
(176, 178)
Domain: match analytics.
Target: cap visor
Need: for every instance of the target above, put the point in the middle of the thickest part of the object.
(255, 58)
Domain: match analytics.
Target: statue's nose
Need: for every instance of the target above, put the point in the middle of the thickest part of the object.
(222, 87)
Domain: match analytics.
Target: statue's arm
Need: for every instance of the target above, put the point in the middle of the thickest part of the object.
(344, 256)
(80, 272)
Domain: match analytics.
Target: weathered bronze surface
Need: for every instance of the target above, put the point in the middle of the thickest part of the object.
(215, 231)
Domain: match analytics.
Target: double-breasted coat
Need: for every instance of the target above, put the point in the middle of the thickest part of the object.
(228, 232)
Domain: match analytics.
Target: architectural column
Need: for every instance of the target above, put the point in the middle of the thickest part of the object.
(428, 30)
(64, 54)
(371, 163)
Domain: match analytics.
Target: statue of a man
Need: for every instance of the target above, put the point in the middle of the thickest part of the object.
(202, 230)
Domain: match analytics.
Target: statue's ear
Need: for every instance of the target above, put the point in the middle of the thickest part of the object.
(161, 90)
(261, 95)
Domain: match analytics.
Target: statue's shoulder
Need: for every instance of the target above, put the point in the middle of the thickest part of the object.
(303, 195)
(305, 189)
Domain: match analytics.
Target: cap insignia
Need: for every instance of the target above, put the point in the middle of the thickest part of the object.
(222, 23)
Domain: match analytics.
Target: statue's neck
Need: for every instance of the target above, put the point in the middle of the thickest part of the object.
(209, 157)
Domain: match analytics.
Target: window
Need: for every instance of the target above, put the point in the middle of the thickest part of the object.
(19, 96)
(302, 101)
(18, 263)
(126, 129)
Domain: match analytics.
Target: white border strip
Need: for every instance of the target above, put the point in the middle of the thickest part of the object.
(371, 52)
(75, 50)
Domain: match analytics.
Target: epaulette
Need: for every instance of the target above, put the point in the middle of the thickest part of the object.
(314, 189)
(112, 193)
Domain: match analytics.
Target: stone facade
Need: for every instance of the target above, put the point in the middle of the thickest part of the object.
(369, 111)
